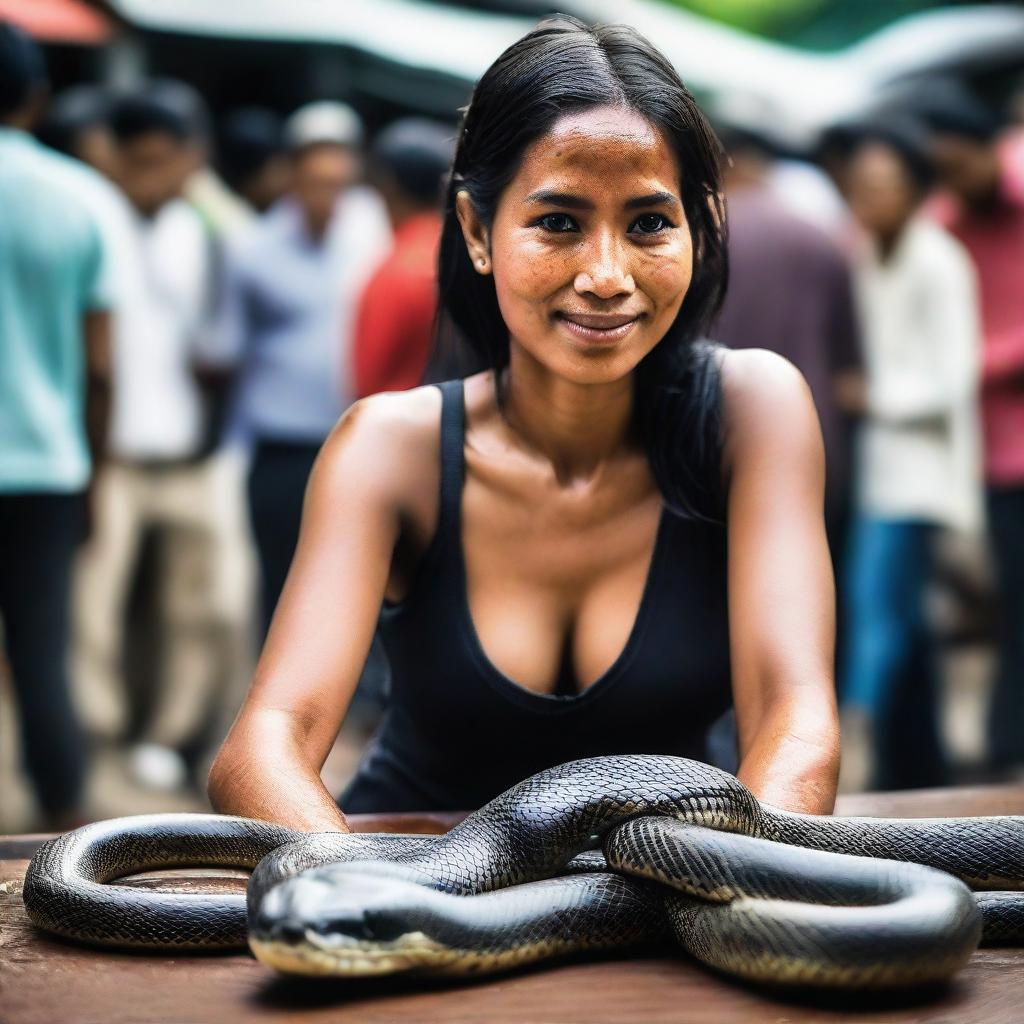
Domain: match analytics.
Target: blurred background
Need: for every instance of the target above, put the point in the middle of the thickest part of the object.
(242, 201)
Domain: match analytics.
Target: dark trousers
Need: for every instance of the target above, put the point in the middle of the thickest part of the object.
(1006, 714)
(38, 537)
(909, 752)
(277, 485)
(837, 527)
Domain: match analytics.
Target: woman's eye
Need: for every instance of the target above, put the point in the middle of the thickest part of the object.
(557, 222)
(650, 223)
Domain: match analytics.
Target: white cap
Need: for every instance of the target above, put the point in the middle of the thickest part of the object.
(323, 122)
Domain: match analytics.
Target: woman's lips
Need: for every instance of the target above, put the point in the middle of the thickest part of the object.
(598, 329)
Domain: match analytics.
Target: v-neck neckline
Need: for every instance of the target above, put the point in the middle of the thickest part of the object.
(502, 682)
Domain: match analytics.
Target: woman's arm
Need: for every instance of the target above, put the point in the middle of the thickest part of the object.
(781, 590)
(269, 765)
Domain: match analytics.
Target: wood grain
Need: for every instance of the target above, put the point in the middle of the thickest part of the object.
(44, 981)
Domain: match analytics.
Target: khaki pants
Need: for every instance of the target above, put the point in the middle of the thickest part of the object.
(205, 583)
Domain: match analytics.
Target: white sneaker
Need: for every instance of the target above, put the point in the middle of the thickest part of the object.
(155, 767)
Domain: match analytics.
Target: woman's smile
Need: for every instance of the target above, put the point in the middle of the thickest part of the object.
(598, 328)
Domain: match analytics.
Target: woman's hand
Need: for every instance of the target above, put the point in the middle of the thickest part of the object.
(781, 589)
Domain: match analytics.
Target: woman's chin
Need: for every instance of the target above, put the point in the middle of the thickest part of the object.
(599, 367)
(584, 365)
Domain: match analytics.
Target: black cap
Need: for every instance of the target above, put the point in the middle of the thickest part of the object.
(164, 105)
(249, 137)
(22, 69)
(417, 154)
(72, 112)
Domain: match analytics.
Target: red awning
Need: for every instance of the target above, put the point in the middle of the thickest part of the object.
(57, 21)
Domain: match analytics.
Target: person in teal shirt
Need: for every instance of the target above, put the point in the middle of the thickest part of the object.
(54, 357)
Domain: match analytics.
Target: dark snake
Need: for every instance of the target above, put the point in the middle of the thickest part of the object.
(599, 854)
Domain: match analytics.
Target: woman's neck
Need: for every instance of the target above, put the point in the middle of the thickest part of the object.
(579, 428)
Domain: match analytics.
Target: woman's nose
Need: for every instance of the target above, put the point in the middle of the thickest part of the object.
(604, 272)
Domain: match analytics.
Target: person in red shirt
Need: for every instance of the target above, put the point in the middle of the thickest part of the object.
(395, 321)
(984, 208)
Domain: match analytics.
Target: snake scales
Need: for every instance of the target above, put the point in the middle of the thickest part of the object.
(603, 853)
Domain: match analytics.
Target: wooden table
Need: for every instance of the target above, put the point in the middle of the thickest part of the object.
(45, 981)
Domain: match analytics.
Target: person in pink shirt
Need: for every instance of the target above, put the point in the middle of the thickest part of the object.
(984, 207)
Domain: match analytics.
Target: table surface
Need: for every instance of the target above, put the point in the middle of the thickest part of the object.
(45, 980)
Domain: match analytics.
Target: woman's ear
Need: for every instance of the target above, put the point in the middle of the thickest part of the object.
(474, 232)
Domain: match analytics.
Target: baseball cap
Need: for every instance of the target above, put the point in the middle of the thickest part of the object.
(323, 122)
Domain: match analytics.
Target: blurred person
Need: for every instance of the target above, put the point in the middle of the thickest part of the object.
(395, 323)
(983, 206)
(161, 132)
(790, 291)
(54, 400)
(162, 475)
(291, 289)
(833, 148)
(808, 191)
(918, 457)
(76, 124)
(252, 157)
(799, 184)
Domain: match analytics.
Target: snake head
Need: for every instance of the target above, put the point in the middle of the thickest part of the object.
(345, 920)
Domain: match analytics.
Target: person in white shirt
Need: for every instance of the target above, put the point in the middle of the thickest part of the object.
(918, 459)
(163, 473)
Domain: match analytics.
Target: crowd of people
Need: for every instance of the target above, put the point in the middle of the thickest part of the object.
(179, 338)
(896, 292)
(185, 312)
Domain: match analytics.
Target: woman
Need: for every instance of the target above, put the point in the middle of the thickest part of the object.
(549, 535)
(919, 467)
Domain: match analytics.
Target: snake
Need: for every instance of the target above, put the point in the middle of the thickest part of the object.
(600, 855)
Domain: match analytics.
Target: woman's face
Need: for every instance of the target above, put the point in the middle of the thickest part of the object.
(880, 191)
(589, 247)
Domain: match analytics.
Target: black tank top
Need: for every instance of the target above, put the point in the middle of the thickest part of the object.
(458, 731)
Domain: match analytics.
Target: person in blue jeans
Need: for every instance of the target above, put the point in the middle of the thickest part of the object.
(891, 669)
(917, 469)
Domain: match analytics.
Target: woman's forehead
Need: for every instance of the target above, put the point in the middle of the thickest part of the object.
(602, 148)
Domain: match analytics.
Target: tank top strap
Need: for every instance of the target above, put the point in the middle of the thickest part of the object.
(453, 425)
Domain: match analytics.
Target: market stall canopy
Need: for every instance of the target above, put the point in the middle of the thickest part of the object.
(778, 89)
(58, 21)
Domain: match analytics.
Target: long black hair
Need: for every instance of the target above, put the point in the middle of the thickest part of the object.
(564, 66)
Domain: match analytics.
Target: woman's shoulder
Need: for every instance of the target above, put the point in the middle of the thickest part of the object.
(751, 373)
(403, 415)
(740, 370)
(766, 402)
(387, 443)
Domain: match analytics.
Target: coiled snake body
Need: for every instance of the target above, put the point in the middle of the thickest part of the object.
(602, 853)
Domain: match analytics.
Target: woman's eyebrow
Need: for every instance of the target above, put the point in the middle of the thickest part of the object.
(550, 197)
(654, 199)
